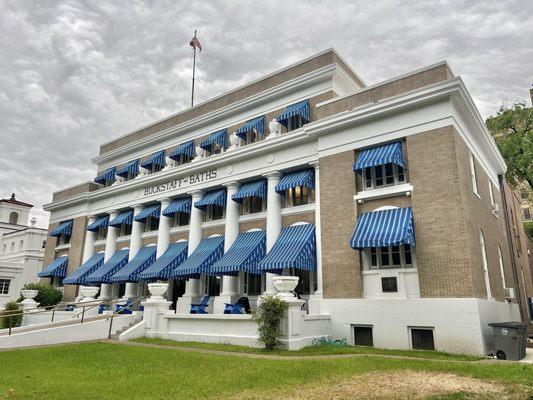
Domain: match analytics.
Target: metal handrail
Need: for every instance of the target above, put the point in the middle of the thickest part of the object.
(110, 318)
(95, 305)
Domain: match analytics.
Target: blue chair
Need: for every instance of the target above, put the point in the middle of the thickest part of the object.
(101, 308)
(69, 307)
(124, 308)
(233, 308)
(200, 308)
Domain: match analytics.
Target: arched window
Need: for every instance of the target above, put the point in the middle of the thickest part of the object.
(13, 218)
(485, 263)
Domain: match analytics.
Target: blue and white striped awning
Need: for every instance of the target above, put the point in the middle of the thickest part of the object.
(125, 217)
(304, 177)
(142, 260)
(384, 228)
(294, 248)
(217, 198)
(131, 167)
(157, 158)
(381, 155)
(219, 137)
(206, 254)
(257, 124)
(150, 211)
(58, 267)
(301, 108)
(251, 189)
(108, 269)
(64, 228)
(79, 277)
(244, 254)
(100, 222)
(178, 205)
(187, 149)
(107, 176)
(162, 267)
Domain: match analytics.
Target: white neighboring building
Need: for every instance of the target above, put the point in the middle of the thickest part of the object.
(21, 248)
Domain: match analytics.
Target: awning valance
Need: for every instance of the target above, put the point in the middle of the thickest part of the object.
(301, 108)
(219, 137)
(107, 176)
(162, 267)
(206, 254)
(243, 255)
(186, 149)
(64, 228)
(142, 260)
(130, 168)
(100, 222)
(150, 211)
(304, 177)
(125, 217)
(381, 155)
(257, 124)
(384, 228)
(178, 205)
(251, 189)
(79, 277)
(109, 268)
(58, 267)
(157, 158)
(217, 198)
(294, 248)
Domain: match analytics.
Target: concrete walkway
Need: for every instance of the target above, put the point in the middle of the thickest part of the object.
(529, 356)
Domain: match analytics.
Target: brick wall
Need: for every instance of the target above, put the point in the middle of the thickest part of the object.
(257, 224)
(288, 220)
(75, 254)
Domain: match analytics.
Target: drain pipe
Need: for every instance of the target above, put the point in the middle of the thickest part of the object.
(501, 181)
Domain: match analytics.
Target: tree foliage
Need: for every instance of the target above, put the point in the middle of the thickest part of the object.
(268, 315)
(48, 295)
(512, 129)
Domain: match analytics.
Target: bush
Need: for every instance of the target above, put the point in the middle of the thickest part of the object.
(528, 227)
(48, 295)
(14, 320)
(268, 315)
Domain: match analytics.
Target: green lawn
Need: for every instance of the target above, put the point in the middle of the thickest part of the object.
(313, 350)
(113, 371)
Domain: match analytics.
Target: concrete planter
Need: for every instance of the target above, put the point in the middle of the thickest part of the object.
(157, 290)
(285, 285)
(29, 295)
(89, 292)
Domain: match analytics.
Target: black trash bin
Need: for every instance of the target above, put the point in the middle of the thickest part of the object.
(509, 340)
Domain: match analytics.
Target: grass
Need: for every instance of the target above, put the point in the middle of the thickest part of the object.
(114, 371)
(528, 227)
(313, 350)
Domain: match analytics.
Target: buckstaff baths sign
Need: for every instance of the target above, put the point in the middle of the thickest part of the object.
(181, 182)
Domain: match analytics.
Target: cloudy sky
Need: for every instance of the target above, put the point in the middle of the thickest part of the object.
(74, 74)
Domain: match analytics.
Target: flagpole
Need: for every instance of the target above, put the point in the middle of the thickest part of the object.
(193, 71)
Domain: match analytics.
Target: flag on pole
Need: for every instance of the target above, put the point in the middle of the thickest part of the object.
(195, 43)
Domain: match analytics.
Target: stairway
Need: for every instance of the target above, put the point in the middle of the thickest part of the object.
(133, 323)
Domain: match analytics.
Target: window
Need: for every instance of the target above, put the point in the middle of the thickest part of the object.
(214, 148)
(183, 159)
(21, 244)
(382, 176)
(4, 249)
(491, 193)
(151, 224)
(252, 284)
(155, 168)
(13, 218)
(44, 244)
(502, 271)
(212, 285)
(213, 212)
(362, 336)
(4, 286)
(389, 284)
(388, 257)
(12, 247)
(63, 240)
(102, 233)
(473, 173)
(125, 230)
(295, 122)
(298, 196)
(252, 136)
(422, 339)
(307, 281)
(252, 205)
(523, 194)
(527, 214)
(485, 264)
(181, 219)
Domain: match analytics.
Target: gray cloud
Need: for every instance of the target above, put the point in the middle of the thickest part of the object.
(74, 74)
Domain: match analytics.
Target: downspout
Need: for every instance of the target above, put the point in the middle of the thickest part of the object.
(511, 249)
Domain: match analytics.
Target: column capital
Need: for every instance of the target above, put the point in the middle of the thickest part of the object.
(196, 193)
(91, 217)
(164, 200)
(113, 211)
(272, 175)
(232, 185)
(137, 208)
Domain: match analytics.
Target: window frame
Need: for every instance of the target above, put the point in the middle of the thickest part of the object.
(125, 230)
(246, 207)
(4, 283)
(473, 174)
(290, 196)
(398, 176)
(367, 258)
(151, 224)
(209, 213)
(247, 284)
(176, 219)
(485, 264)
(295, 122)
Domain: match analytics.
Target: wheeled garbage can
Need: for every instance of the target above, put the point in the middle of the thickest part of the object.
(509, 340)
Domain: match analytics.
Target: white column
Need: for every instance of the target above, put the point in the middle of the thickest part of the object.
(136, 243)
(314, 299)
(229, 291)
(90, 239)
(274, 222)
(192, 286)
(110, 249)
(163, 235)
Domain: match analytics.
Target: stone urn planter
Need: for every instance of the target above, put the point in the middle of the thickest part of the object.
(157, 290)
(29, 296)
(285, 285)
(88, 293)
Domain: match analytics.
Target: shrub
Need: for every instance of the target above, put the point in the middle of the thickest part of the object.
(12, 321)
(48, 295)
(268, 315)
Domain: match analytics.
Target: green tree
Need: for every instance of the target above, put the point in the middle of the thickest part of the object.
(512, 129)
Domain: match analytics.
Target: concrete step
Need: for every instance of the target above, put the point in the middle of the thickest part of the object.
(117, 334)
(31, 328)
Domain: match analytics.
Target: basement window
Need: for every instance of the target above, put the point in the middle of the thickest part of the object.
(422, 339)
(362, 336)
